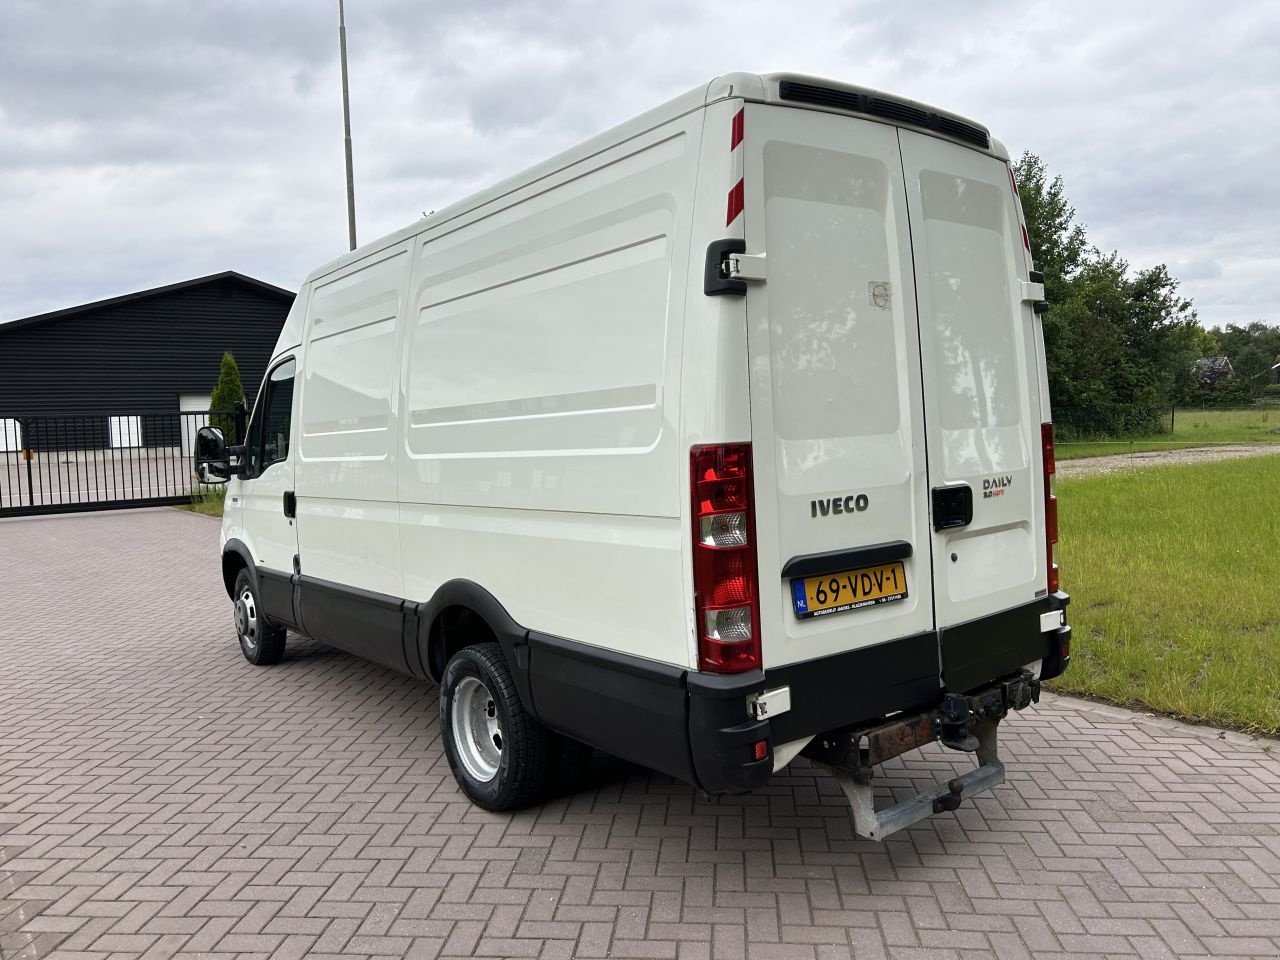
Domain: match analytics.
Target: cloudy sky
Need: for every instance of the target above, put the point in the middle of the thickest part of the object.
(144, 142)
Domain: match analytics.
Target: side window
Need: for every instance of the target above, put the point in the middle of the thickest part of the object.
(268, 439)
(277, 414)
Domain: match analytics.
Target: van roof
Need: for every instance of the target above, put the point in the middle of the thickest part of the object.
(789, 89)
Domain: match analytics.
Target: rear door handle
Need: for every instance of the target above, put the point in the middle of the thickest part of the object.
(952, 506)
(290, 504)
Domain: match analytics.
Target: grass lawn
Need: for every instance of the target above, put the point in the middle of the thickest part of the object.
(208, 503)
(1173, 577)
(1191, 428)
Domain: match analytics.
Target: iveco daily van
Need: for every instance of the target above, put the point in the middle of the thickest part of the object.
(719, 439)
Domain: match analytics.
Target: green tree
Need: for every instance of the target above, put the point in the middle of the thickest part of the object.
(1058, 242)
(1234, 340)
(1188, 390)
(1252, 350)
(1119, 344)
(226, 395)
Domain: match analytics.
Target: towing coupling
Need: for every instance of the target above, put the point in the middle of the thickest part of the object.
(963, 722)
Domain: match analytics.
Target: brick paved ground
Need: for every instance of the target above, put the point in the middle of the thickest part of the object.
(161, 797)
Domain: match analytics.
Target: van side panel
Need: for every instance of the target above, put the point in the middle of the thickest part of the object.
(348, 515)
(540, 375)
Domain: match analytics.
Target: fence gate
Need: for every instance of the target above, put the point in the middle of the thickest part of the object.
(98, 462)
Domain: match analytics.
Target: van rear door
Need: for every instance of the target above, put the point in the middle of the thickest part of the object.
(837, 411)
(980, 380)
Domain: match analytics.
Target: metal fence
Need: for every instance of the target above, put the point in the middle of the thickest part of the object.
(96, 462)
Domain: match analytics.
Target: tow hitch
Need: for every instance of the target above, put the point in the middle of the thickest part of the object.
(965, 722)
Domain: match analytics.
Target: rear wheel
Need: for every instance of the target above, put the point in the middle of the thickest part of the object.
(497, 751)
(261, 642)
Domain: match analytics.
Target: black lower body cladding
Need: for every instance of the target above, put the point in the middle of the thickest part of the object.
(977, 652)
(627, 706)
(692, 726)
(695, 726)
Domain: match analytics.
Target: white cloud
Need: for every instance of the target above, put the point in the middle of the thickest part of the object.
(147, 141)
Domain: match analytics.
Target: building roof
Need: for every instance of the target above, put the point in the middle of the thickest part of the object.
(259, 285)
(1216, 364)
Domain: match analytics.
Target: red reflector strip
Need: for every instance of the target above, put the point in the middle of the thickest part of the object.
(1013, 182)
(737, 198)
(761, 749)
(735, 135)
(1026, 240)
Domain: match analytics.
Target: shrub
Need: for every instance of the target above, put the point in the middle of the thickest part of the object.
(226, 395)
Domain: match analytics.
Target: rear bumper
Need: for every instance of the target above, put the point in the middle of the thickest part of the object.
(837, 692)
(696, 726)
(977, 652)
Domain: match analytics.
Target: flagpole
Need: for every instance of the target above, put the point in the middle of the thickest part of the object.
(346, 127)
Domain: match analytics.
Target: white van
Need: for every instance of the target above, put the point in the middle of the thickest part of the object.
(721, 438)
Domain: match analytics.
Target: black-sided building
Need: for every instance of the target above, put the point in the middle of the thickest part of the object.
(116, 373)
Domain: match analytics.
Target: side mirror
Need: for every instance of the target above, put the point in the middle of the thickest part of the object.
(213, 463)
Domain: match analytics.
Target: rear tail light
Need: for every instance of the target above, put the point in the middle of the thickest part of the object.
(726, 592)
(1050, 505)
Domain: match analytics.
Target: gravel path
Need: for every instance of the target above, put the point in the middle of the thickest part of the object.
(1088, 466)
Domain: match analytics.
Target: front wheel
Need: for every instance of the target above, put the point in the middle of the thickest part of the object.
(261, 642)
(498, 753)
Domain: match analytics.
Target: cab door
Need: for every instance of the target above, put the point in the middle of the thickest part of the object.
(267, 491)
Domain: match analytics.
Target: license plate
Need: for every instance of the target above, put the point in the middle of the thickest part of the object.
(838, 592)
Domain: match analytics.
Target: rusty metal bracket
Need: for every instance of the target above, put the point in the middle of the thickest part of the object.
(966, 722)
(877, 824)
(856, 750)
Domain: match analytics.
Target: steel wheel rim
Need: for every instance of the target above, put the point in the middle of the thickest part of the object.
(247, 619)
(477, 731)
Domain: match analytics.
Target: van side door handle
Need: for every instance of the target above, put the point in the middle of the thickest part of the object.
(290, 504)
(952, 506)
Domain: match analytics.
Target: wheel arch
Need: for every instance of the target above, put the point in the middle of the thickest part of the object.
(235, 557)
(462, 613)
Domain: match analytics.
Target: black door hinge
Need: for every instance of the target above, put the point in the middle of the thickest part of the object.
(715, 278)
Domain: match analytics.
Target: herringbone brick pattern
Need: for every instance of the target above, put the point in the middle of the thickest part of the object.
(160, 797)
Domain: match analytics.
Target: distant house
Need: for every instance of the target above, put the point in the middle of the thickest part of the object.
(118, 372)
(1209, 371)
(1275, 373)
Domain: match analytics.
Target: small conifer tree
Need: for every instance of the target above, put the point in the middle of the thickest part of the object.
(226, 394)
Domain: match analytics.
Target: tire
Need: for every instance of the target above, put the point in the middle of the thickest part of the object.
(261, 641)
(498, 753)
